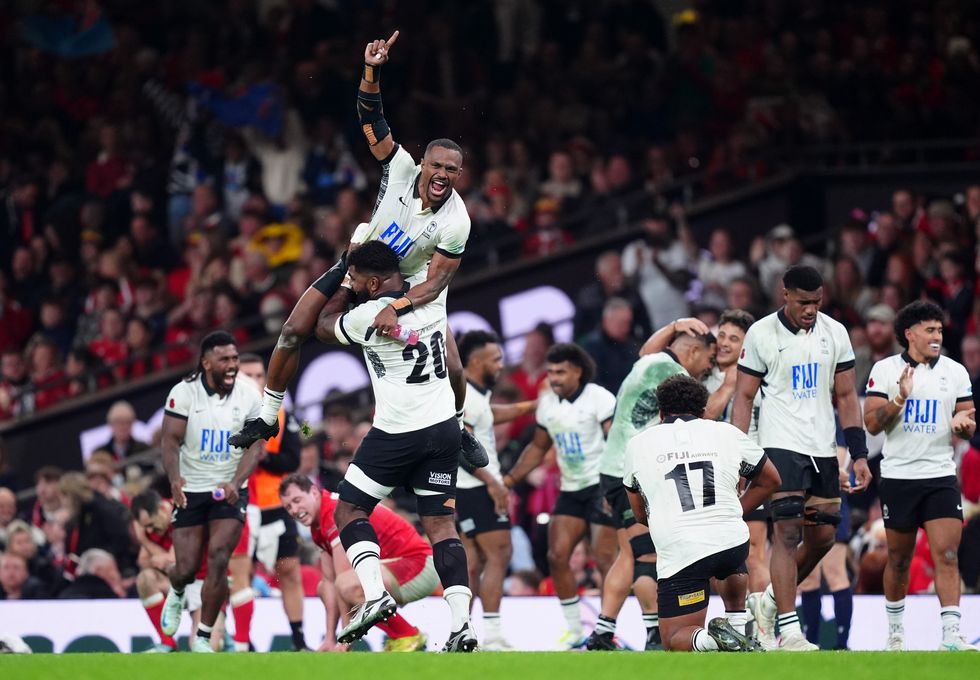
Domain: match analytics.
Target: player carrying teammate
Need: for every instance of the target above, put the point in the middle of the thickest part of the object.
(482, 501)
(690, 352)
(682, 479)
(575, 417)
(207, 477)
(407, 568)
(805, 359)
(918, 399)
(422, 218)
(414, 443)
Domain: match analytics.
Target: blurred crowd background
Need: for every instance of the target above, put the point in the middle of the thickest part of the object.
(171, 168)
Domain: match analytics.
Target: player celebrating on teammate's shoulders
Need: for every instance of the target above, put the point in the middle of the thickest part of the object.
(682, 479)
(408, 571)
(802, 359)
(575, 416)
(482, 501)
(920, 398)
(414, 443)
(419, 214)
(682, 347)
(207, 477)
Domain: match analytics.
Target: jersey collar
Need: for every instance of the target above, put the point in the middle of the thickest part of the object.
(482, 390)
(789, 325)
(669, 352)
(208, 391)
(913, 363)
(686, 417)
(575, 395)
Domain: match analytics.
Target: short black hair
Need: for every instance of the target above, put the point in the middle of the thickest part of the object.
(737, 317)
(147, 501)
(708, 339)
(913, 313)
(682, 395)
(802, 277)
(374, 257)
(49, 473)
(302, 481)
(472, 341)
(445, 144)
(216, 339)
(573, 354)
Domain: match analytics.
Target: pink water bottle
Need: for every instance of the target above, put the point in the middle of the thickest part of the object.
(403, 334)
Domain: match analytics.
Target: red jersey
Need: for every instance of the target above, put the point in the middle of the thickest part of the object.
(397, 537)
(166, 541)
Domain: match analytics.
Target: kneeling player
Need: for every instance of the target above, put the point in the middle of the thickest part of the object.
(681, 478)
(407, 567)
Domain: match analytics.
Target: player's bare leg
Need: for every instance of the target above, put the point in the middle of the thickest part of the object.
(152, 586)
(449, 557)
(495, 551)
(474, 563)
(291, 585)
(242, 599)
(223, 536)
(189, 543)
(604, 547)
(564, 533)
(944, 543)
(758, 560)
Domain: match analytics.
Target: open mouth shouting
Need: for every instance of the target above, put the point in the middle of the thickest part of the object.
(438, 188)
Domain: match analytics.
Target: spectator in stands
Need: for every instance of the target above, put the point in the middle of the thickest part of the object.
(610, 282)
(338, 426)
(226, 312)
(16, 583)
(906, 209)
(238, 176)
(524, 584)
(25, 283)
(54, 326)
(47, 499)
(141, 360)
(8, 512)
(15, 321)
(853, 242)
(330, 166)
(95, 522)
(97, 578)
(148, 305)
(15, 400)
(717, 268)
(109, 346)
(659, 265)
(547, 236)
(121, 417)
(880, 331)
(562, 184)
(100, 476)
(613, 346)
(48, 378)
(885, 244)
(28, 543)
(150, 249)
(103, 295)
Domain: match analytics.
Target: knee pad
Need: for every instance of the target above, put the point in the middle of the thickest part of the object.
(358, 531)
(642, 545)
(790, 507)
(644, 569)
(814, 517)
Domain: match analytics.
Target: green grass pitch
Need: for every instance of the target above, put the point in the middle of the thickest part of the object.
(515, 666)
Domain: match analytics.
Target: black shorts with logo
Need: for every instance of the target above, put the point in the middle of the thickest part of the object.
(289, 538)
(475, 512)
(201, 508)
(907, 504)
(812, 475)
(586, 504)
(687, 591)
(615, 495)
(425, 460)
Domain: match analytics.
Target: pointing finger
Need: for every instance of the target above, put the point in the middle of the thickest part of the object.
(392, 39)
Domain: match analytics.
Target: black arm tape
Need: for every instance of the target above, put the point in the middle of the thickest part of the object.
(857, 445)
(371, 114)
(812, 517)
(642, 545)
(644, 569)
(371, 73)
(332, 278)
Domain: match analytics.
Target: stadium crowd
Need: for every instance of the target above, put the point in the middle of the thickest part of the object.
(160, 178)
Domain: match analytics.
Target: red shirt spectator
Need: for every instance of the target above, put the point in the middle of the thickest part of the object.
(47, 376)
(110, 346)
(15, 324)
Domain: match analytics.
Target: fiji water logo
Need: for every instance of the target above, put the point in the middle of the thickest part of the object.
(214, 445)
(920, 416)
(805, 380)
(395, 237)
(569, 445)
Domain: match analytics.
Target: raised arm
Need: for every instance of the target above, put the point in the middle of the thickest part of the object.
(369, 108)
(718, 400)
(504, 413)
(440, 273)
(880, 413)
(660, 340)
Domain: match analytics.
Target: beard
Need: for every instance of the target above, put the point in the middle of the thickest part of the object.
(218, 378)
(489, 380)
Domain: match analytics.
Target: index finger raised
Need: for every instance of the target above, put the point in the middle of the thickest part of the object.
(391, 41)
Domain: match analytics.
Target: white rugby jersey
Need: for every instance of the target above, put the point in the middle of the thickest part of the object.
(687, 472)
(479, 416)
(206, 458)
(575, 426)
(919, 444)
(797, 368)
(410, 382)
(713, 382)
(400, 221)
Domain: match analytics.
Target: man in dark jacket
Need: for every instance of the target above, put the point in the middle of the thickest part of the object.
(613, 345)
(97, 578)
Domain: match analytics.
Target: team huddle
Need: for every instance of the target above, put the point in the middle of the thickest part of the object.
(711, 443)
